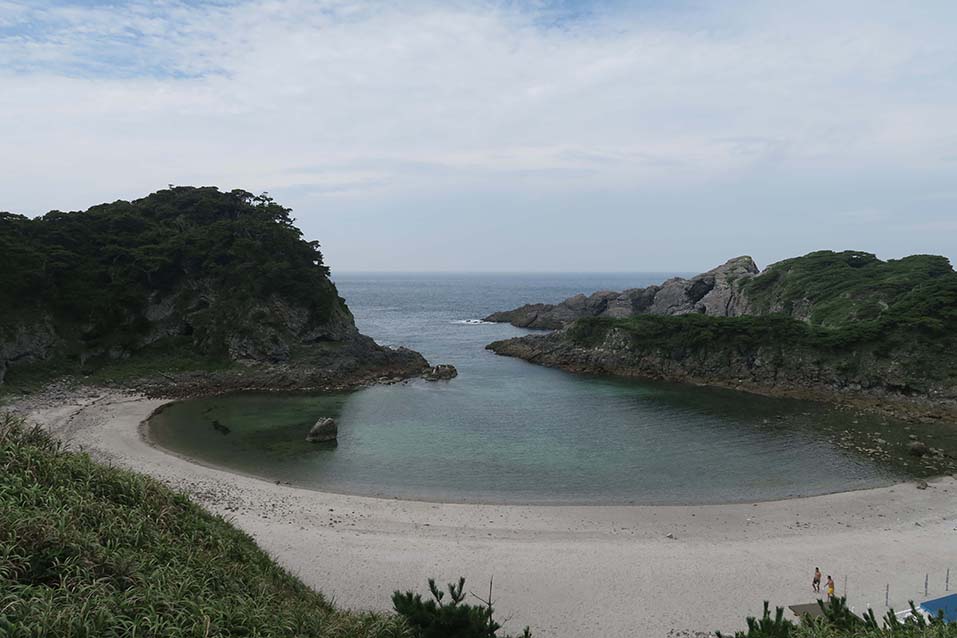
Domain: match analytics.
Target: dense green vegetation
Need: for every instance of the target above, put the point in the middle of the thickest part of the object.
(834, 289)
(98, 277)
(837, 621)
(92, 551)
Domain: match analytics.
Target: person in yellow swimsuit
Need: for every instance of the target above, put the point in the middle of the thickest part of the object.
(829, 588)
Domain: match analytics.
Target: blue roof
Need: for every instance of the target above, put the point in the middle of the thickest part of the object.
(948, 604)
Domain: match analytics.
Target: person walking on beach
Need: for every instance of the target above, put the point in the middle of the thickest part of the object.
(816, 583)
(830, 587)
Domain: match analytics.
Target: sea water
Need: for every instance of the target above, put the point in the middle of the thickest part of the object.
(507, 431)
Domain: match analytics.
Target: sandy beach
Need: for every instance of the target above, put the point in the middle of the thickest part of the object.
(613, 571)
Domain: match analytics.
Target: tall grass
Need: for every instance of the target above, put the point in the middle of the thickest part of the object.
(93, 551)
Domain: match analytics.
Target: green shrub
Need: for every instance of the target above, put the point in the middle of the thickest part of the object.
(843, 287)
(838, 621)
(438, 618)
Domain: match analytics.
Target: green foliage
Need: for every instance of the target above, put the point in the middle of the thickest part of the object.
(838, 621)
(89, 551)
(691, 332)
(437, 618)
(96, 271)
(843, 287)
(766, 626)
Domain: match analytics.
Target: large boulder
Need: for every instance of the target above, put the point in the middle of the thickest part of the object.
(323, 431)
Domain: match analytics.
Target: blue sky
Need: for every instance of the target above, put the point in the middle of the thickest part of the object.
(502, 135)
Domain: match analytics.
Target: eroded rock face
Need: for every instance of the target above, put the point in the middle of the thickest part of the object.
(280, 344)
(441, 372)
(716, 292)
(324, 430)
(897, 382)
(28, 343)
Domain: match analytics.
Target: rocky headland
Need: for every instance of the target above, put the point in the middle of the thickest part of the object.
(843, 327)
(186, 292)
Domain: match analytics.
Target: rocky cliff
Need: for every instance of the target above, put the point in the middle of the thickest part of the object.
(903, 380)
(716, 293)
(189, 275)
(838, 326)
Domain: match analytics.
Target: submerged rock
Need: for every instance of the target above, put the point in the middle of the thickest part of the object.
(917, 448)
(441, 372)
(220, 427)
(324, 430)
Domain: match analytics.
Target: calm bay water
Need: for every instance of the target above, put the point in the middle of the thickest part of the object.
(509, 431)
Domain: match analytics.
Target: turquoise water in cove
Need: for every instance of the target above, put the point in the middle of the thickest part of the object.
(506, 431)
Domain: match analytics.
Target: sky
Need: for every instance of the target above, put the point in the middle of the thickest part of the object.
(502, 136)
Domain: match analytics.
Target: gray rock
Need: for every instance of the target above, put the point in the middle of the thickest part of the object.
(715, 292)
(441, 372)
(324, 430)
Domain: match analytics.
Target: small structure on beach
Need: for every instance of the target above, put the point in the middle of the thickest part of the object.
(945, 606)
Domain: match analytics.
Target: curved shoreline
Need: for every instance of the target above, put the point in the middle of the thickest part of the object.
(144, 430)
(615, 561)
(914, 409)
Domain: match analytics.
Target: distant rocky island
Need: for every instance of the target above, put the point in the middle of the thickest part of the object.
(842, 326)
(185, 291)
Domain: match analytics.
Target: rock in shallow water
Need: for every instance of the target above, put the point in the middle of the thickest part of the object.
(917, 448)
(442, 372)
(324, 430)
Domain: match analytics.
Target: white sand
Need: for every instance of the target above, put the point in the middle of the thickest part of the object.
(565, 571)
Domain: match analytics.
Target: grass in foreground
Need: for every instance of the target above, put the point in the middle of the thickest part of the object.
(93, 551)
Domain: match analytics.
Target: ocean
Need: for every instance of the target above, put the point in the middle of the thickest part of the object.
(506, 431)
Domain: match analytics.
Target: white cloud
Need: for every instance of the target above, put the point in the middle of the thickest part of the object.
(354, 99)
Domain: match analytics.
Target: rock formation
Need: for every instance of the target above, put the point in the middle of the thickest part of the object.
(21, 344)
(441, 372)
(324, 430)
(716, 292)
